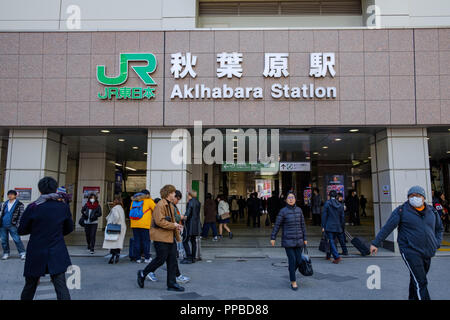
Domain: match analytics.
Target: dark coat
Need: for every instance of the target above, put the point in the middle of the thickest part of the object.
(316, 204)
(352, 204)
(333, 216)
(210, 211)
(291, 220)
(254, 207)
(192, 224)
(47, 224)
(96, 213)
(16, 215)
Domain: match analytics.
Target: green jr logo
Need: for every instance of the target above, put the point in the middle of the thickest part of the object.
(141, 71)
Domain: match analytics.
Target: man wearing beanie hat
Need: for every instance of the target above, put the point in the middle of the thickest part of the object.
(419, 236)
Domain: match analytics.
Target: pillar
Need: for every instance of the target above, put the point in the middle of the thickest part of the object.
(161, 170)
(95, 169)
(32, 155)
(399, 160)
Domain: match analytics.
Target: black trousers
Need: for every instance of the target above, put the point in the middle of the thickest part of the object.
(316, 219)
(234, 215)
(115, 251)
(418, 267)
(354, 218)
(256, 220)
(59, 282)
(165, 252)
(294, 259)
(190, 253)
(91, 232)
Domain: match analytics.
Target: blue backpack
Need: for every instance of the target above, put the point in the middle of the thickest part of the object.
(137, 211)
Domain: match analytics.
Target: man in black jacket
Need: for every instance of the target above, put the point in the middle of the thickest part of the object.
(47, 221)
(192, 227)
(333, 222)
(352, 203)
(11, 212)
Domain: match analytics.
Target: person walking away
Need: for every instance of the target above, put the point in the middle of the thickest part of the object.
(165, 232)
(11, 213)
(419, 236)
(292, 222)
(192, 227)
(333, 222)
(210, 218)
(254, 209)
(115, 243)
(249, 208)
(47, 220)
(241, 204)
(141, 211)
(353, 208)
(234, 209)
(90, 212)
(316, 207)
(363, 203)
(224, 214)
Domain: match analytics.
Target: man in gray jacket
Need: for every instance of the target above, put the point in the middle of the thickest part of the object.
(419, 236)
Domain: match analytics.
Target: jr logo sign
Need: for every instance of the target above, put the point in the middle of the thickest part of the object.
(143, 73)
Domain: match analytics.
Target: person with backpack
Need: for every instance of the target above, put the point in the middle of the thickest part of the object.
(141, 210)
(90, 212)
(419, 236)
(293, 239)
(333, 224)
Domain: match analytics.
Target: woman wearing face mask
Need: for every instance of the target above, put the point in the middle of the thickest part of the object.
(293, 238)
(91, 211)
(419, 236)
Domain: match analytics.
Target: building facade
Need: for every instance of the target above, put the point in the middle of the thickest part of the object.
(98, 105)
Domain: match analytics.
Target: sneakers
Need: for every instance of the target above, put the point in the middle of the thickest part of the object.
(139, 261)
(5, 256)
(91, 252)
(140, 279)
(176, 287)
(183, 279)
(22, 256)
(148, 260)
(151, 276)
(186, 261)
(215, 239)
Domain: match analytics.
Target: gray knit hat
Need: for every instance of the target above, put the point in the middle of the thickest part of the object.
(418, 190)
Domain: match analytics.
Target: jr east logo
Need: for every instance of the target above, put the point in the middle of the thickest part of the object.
(143, 72)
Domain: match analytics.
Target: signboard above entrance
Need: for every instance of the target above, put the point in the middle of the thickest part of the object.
(295, 166)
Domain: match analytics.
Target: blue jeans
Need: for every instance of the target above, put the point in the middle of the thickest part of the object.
(331, 236)
(4, 234)
(141, 242)
(206, 227)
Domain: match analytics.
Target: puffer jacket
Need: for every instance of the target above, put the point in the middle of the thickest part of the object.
(292, 222)
(333, 216)
(16, 215)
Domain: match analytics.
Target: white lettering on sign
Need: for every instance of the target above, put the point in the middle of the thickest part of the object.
(320, 63)
(275, 65)
(306, 91)
(180, 61)
(229, 64)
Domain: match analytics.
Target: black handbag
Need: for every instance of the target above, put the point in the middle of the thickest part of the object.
(81, 222)
(324, 245)
(113, 228)
(305, 266)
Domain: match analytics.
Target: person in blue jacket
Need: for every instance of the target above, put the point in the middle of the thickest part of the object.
(47, 221)
(419, 236)
(293, 238)
(333, 224)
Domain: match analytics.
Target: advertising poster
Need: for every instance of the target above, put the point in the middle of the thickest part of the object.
(307, 196)
(264, 188)
(88, 190)
(335, 182)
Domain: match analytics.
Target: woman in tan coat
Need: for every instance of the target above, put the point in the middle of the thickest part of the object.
(114, 242)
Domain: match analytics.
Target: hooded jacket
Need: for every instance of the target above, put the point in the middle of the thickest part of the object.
(333, 217)
(17, 213)
(420, 231)
(148, 207)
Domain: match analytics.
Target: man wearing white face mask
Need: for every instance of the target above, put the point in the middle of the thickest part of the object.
(419, 236)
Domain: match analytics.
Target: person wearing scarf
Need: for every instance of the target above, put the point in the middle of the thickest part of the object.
(90, 212)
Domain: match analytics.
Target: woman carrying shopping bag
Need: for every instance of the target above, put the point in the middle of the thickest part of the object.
(115, 231)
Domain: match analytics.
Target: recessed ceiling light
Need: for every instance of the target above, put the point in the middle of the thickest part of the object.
(315, 152)
(337, 139)
(307, 158)
(118, 164)
(354, 130)
(448, 151)
(325, 147)
(129, 168)
(135, 148)
(235, 130)
(121, 140)
(146, 153)
(369, 157)
(105, 131)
